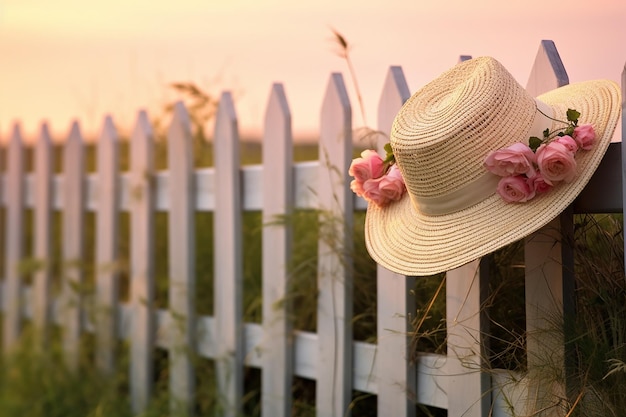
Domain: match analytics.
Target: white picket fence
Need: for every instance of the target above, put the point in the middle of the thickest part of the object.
(457, 381)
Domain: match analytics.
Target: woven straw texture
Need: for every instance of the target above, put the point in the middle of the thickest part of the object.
(440, 138)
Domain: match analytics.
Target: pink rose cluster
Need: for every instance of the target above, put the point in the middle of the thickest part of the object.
(373, 181)
(526, 174)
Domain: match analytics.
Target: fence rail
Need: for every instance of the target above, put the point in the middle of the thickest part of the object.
(330, 357)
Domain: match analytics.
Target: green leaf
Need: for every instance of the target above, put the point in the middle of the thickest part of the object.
(389, 158)
(534, 142)
(573, 115)
(546, 133)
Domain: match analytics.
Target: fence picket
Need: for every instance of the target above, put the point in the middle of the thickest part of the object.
(181, 223)
(228, 255)
(466, 364)
(228, 252)
(106, 247)
(623, 152)
(334, 305)
(43, 234)
(549, 272)
(142, 202)
(73, 242)
(278, 200)
(395, 303)
(14, 239)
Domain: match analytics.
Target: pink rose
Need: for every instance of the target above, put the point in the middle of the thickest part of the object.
(369, 165)
(372, 192)
(514, 160)
(357, 187)
(538, 184)
(585, 136)
(515, 189)
(568, 142)
(391, 186)
(556, 163)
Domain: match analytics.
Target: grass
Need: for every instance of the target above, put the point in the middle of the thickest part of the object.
(37, 384)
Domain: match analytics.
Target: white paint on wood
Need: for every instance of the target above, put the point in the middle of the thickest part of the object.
(42, 208)
(107, 230)
(141, 204)
(623, 153)
(395, 302)
(334, 305)
(548, 71)
(228, 258)
(73, 242)
(14, 238)
(278, 196)
(469, 387)
(547, 284)
(181, 223)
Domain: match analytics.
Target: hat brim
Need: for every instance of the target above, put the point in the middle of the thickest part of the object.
(407, 241)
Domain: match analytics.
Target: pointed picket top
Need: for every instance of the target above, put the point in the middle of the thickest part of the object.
(73, 149)
(16, 133)
(548, 71)
(75, 135)
(143, 131)
(180, 127)
(335, 135)
(44, 140)
(395, 93)
(277, 113)
(226, 119)
(336, 107)
(107, 148)
(15, 155)
(142, 149)
(109, 133)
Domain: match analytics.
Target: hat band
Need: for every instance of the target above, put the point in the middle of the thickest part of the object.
(485, 185)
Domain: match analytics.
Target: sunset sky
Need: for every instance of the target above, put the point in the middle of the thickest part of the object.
(75, 59)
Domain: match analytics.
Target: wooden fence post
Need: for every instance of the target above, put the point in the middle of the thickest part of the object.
(14, 239)
(73, 243)
(228, 255)
(469, 387)
(549, 275)
(142, 198)
(624, 152)
(278, 200)
(181, 231)
(334, 308)
(43, 235)
(106, 247)
(395, 302)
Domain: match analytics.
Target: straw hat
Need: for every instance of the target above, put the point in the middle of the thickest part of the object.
(451, 213)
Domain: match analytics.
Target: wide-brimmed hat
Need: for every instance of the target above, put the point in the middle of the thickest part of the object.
(451, 213)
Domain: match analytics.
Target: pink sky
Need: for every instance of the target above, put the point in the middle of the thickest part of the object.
(71, 59)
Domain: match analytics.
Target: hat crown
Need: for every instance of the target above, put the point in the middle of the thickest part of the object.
(442, 134)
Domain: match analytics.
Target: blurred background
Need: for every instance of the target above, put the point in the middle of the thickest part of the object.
(72, 59)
